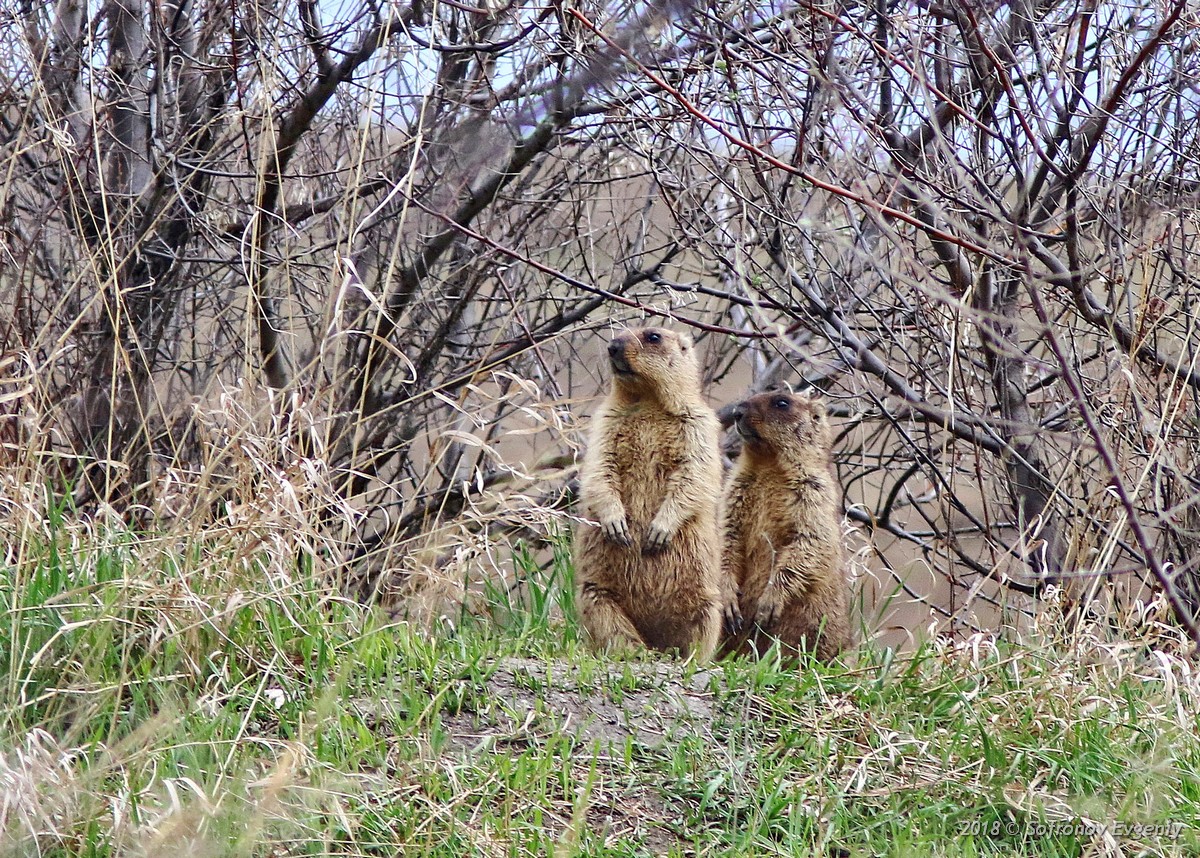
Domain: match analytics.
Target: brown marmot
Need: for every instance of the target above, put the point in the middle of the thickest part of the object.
(783, 535)
(648, 570)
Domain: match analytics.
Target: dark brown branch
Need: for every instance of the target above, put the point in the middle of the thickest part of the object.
(286, 138)
(1087, 137)
(1092, 311)
(598, 291)
(1117, 484)
(858, 354)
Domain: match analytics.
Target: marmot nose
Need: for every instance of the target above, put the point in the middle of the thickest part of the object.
(616, 348)
(738, 412)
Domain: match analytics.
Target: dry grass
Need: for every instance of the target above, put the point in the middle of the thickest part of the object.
(211, 692)
(286, 460)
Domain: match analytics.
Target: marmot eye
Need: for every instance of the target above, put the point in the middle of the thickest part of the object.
(653, 337)
(781, 402)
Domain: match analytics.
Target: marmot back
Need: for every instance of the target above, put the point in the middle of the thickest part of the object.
(783, 535)
(647, 571)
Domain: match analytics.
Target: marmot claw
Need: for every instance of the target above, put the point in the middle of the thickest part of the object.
(617, 531)
(769, 609)
(656, 540)
(733, 618)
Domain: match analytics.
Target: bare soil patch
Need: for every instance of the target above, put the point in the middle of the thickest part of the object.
(646, 702)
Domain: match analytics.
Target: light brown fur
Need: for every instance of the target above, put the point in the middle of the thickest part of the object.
(648, 569)
(783, 536)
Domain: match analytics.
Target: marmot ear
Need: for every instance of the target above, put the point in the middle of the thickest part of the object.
(685, 343)
(818, 408)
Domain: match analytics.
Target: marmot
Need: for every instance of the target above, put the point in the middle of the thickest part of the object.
(783, 536)
(648, 571)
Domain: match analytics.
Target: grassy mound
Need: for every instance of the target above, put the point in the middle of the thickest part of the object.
(212, 698)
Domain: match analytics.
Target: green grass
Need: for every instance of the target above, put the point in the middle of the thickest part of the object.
(200, 699)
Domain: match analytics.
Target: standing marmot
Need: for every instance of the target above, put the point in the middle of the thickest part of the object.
(649, 572)
(783, 536)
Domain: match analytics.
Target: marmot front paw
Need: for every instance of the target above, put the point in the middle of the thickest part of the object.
(770, 607)
(656, 540)
(617, 531)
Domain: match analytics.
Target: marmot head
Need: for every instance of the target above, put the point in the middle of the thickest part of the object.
(654, 360)
(782, 423)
